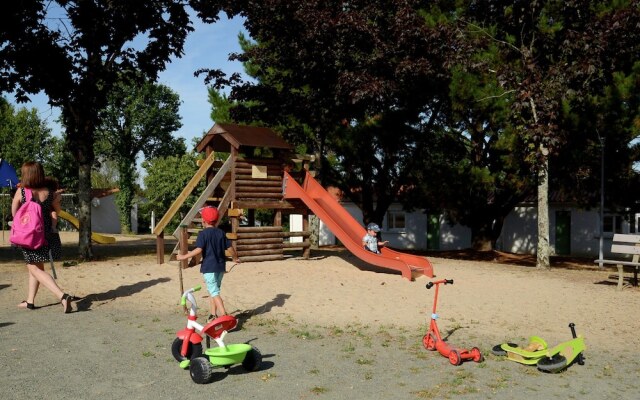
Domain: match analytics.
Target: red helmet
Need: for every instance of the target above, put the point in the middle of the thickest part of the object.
(209, 214)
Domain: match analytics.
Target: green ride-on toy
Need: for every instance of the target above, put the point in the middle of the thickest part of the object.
(187, 347)
(547, 359)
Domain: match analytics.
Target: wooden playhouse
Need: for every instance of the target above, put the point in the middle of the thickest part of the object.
(238, 186)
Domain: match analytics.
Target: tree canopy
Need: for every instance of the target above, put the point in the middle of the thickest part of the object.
(138, 119)
(345, 74)
(552, 55)
(75, 51)
(453, 107)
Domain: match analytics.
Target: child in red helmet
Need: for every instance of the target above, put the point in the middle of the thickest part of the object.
(212, 243)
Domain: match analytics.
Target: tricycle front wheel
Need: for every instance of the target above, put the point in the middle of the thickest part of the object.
(193, 350)
(201, 370)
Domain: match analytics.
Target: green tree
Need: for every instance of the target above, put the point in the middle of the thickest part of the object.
(613, 117)
(23, 136)
(105, 174)
(164, 181)
(62, 165)
(75, 51)
(138, 119)
(329, 75)
(553, 54)
(220, 106)
(483, 174)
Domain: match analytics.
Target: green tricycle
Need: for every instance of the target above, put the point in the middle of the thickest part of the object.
(187, 346)
(537, 353)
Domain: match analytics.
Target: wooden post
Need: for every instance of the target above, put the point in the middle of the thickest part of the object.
(235, 224)
(210, 172)
(277, 218)
(184, 248)
(160, 248)
(306, 252)
(232, 193)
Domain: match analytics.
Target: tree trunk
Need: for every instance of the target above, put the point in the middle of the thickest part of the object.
(84, 211)
(542, 260)
(481, 243)
(80, 139)
(481, 238)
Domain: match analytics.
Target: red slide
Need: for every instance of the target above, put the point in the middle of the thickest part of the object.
(349, 231)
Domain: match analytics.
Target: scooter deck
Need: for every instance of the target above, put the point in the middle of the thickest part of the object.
(530, 354)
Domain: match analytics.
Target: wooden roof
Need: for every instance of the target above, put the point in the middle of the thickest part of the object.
(221, 137)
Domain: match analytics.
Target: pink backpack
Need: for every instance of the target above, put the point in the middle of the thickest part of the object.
(27, 229)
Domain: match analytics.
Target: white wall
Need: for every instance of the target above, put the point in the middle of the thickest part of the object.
(134, 218)
(520, 232)
(453, 237)
(104, 215)
(413, 237)
(326, 237)
(295, 225)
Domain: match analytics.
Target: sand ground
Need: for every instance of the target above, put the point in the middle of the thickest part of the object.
(328, 327)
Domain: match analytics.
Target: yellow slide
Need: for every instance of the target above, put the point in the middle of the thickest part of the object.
(96, 237)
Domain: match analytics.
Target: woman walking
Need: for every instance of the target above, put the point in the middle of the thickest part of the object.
(33, 180)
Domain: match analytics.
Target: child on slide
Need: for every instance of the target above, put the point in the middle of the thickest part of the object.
(370, 241)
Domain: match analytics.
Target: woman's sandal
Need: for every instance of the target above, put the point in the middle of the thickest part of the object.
(27, 305)
(66, 303)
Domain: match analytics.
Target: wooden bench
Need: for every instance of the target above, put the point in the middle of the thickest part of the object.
(625, 245)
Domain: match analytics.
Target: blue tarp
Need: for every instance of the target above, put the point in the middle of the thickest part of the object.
(8, 176)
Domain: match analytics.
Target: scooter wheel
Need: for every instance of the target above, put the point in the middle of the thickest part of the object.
(454, 357)
(253, 360)
(477, 355)
(552, 364)
(193, 350)
(429, 341)
(201, 370)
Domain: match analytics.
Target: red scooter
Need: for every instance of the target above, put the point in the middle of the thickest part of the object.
(433, 341)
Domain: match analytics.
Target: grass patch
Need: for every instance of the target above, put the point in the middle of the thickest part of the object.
(267, 376)
(319, 390)
(349, 348)
(305, 334)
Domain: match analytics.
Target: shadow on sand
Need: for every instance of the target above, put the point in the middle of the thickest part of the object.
(245, 315)
(85, 303)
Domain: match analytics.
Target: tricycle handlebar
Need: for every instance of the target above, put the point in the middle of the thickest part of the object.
(183, 300)
(445, 281)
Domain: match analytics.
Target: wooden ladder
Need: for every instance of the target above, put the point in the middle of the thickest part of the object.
(191, 215)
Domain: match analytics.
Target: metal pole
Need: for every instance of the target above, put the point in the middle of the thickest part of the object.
(601, 255)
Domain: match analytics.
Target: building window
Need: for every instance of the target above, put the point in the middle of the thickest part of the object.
(612, 224)
(395, 220)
